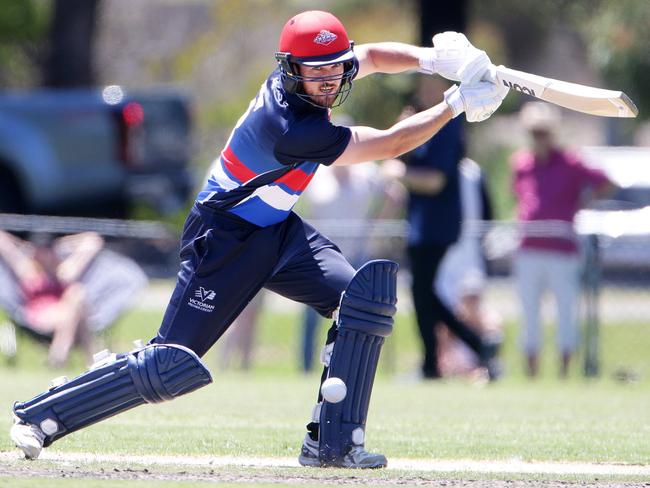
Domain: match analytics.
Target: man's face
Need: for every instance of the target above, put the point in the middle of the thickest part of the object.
(324, 92)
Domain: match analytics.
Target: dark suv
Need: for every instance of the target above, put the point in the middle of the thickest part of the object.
(94, 152)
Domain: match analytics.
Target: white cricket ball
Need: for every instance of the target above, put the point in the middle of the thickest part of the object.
(333, 390)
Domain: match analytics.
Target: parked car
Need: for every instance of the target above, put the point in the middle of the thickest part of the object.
(620, 223)
(94, 152)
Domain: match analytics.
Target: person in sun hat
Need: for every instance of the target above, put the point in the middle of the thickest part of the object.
(550, 184)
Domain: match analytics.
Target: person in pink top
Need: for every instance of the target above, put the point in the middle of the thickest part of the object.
(550, 184)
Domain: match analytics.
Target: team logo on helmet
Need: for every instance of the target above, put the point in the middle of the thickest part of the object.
(325, 38)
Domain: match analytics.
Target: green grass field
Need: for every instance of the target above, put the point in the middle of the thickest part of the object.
(262, 414)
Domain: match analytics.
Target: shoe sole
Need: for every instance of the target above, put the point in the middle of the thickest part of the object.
(316, 463)
(376, 465)
(309, 462)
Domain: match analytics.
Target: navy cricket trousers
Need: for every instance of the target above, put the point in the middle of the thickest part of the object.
(226, 261)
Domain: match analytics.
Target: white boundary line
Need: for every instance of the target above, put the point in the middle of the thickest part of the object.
(467, 466)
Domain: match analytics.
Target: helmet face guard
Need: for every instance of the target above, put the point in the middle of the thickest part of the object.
(293, 81)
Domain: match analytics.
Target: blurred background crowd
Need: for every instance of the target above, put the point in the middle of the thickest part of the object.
(111, 113)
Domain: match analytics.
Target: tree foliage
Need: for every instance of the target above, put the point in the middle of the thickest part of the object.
(615, 34)
(619, 45)
(23, 31)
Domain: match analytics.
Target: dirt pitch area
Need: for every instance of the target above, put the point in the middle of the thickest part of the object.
(401, 472)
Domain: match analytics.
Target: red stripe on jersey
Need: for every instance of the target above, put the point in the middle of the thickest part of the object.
(236, 167)
(296, 179)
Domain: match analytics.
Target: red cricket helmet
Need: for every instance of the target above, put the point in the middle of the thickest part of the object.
(315, 38)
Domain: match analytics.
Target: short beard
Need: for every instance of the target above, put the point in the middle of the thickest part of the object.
(326, 100)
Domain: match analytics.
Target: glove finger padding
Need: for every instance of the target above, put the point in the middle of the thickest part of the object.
(450, 45)
(446, 56)
(490, 75)
(478, 100)
(455, 58)
(476, 65)
(482, 99)
(454, 98)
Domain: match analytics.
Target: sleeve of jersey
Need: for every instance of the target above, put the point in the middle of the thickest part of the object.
(313, 139)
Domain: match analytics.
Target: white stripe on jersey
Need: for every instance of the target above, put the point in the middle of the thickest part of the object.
(220, 176)
(274, 196)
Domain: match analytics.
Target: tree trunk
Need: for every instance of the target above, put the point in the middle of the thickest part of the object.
(69, 63)
(441, 16)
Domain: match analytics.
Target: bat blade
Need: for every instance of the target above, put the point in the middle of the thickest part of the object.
(581, 98)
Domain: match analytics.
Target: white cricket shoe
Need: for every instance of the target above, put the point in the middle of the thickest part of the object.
(28, 438)
(309, 453)
(357, 458)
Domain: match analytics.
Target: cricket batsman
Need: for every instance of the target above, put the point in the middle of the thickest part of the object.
(242, 235)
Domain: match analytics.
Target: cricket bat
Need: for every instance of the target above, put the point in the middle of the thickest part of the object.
(587, 99)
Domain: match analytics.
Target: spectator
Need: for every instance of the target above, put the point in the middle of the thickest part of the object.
(463, 267)
(550, 185)
(461, 280)
(62, 290)
(431, 176)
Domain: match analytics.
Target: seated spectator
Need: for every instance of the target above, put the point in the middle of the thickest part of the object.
(455, 358)
(63, 290)
(462, 278)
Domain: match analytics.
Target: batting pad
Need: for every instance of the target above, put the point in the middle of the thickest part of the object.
(152, 374)
(365, 319)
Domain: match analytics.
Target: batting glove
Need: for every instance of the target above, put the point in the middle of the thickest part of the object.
(478, 100)
(455, 58)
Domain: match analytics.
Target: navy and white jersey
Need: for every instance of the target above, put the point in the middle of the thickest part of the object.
(271, 155)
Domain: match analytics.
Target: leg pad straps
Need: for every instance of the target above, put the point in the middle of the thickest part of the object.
(365, 319)
(152, 374)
